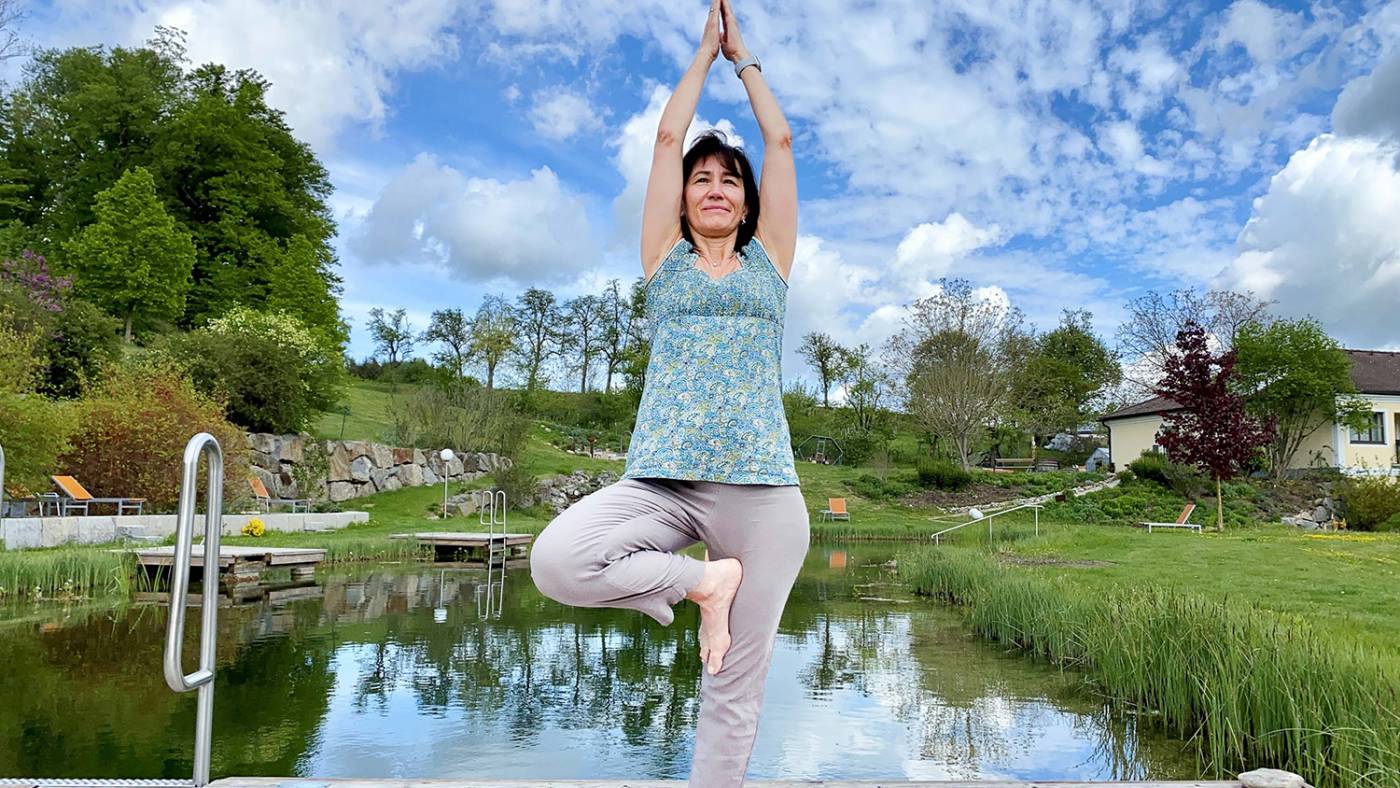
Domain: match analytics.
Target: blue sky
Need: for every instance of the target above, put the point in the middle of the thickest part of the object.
(1058, 154)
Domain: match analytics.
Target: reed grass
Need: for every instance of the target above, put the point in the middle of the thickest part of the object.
(1249, 687)
(64, 572)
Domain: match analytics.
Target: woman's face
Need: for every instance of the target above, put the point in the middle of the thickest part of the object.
(714, 199)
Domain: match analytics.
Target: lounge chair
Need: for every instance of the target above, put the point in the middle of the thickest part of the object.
(76, 498)
(266, 501)
(835, 510)
(1180, 521)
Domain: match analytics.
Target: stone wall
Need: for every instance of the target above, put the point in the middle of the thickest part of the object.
(19, 533)
(357, 468)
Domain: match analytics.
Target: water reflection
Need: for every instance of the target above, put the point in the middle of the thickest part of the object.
(399, 671)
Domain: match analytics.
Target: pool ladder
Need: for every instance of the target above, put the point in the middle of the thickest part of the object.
(492, 504)
(202, 680)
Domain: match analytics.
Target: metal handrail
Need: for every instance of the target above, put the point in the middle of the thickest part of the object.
(202, 679)
(989, 517)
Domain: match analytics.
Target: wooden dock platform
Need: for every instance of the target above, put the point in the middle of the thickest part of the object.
(476, 545)
(237, 563)
(316, 782)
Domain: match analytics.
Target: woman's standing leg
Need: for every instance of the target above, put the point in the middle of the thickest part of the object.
(617, 547)
(766, 528)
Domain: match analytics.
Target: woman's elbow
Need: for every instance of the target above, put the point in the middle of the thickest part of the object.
(667, 138)
(780, 140)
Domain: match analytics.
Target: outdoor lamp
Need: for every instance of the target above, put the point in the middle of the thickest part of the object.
(447, 456)
(975, 513)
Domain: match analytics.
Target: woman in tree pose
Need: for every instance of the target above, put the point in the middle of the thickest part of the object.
(710, 460)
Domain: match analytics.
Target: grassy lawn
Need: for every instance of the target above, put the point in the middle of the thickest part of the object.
(369, 403)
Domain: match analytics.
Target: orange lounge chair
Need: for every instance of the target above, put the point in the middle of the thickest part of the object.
(835, 510)
(1180, 521)
(267, 501)
(75, 498)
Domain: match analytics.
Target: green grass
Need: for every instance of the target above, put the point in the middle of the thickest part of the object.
(370, 403)
(1249, 688)
(68, 572)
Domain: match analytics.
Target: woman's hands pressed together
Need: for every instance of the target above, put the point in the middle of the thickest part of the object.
(713, 37)
(731, 40)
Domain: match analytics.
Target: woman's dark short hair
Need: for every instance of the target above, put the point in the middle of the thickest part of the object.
(733, 159)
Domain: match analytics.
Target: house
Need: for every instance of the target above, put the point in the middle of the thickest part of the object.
(1375, 449)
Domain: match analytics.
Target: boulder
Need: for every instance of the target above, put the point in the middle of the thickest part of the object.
(266, 477)
(1272, 778)
(263, 442)
(403, 456)
(291, 448)
(356, 449)
(260, 459)
(382, 455)
(411, 475)
(1322, 515)
(380, 478)
(361, 469)
(454, 467)
(418, 457)
(340, 491)
(338, 464)
(470, 462)
(429, 476)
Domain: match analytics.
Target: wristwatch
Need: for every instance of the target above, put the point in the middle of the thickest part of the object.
(745, 63)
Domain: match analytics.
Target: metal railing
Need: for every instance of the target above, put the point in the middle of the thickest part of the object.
(988, 517)
(203, 678)
(492, 504)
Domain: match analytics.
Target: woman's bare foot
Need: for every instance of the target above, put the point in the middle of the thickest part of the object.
(714, 594)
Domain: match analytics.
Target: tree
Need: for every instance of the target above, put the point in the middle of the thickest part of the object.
(35, 429)
(954, 358)
(585, 318)
(392, 334)
(1211, 430)
(1060, 376)
(1293, 374)
(826, 358)
(133, 261)
(493, 335)
(543, 332)
(637, 353)
(1148, 335)
(615, 330)
(868, 387)
(449, 328)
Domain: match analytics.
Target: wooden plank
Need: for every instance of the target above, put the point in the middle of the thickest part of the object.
(309, 782)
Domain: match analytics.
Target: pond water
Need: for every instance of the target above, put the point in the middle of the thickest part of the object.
(422, 671)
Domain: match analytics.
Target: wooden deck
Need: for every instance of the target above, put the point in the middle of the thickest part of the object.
(237, 563)
(313, 782)
(476, 545)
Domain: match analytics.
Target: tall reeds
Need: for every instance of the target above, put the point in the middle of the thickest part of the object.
(64, 572)
(1249, 686)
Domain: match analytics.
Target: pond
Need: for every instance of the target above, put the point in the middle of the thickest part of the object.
(428, 671)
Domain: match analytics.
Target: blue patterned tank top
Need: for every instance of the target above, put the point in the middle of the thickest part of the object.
(712, 407)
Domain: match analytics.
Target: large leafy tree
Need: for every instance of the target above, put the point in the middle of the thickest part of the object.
(827, 358)
(225, 165)
(134, 261)
(450, 329)
(543, 333)
(392, 334)
(954, 357)
(493, 335)
(1292, 373)
(1211, 430)
(586, 321)
(1061, 375)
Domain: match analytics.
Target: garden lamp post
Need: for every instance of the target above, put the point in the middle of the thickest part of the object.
(447, 456)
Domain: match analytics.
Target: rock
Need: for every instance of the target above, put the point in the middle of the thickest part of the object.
(1322, 514)
(260, 459)
(380, 477)
(338, 465)
(382, 455)
(265, 476)
(361, 469)
(356, 449)
(291, 448)
(454, 467)
(471, 462)
(390, 484)
(1272, 778)
(340, 491)
(410, 475)
(418, 457)
(403, 456)
(429, 477)
(263, 442)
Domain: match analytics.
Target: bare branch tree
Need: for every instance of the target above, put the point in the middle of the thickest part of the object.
(1148, 336)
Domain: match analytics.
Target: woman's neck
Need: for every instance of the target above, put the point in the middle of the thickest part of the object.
(716, 250)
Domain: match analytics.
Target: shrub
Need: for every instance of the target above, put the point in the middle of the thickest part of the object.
(33, 430)
(942, 474)
(1368, 501)
(1391, 524)
(1180, 478)
(468, 419)
(76, 337)
(1152, 466)
(275, 374)
(857, 445)
(869, 486)
(132, 430)
(518, 483)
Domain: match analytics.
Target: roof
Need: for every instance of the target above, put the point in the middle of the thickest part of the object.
(1149, 407)
(1373, 372)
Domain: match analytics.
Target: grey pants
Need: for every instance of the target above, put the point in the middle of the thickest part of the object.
(617, 548)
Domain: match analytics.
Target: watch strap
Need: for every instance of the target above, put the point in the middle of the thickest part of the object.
(745, 63)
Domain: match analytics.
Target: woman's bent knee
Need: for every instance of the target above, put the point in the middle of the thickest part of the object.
(553, 565)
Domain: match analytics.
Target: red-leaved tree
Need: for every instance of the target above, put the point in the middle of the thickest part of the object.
(1211, 430)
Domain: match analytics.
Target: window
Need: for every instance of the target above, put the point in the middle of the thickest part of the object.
(1372, 433)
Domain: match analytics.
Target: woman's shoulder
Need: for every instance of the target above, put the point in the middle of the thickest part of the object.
(677, 253)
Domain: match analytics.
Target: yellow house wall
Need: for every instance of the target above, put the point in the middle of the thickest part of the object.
(1129, 438)
(1372, 457)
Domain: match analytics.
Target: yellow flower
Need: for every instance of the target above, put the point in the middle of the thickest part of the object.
(254, 527)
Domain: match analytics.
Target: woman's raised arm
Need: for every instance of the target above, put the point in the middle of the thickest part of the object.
(661, 212)
(777, 189)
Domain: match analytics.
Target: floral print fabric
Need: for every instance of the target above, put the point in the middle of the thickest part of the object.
(712, 407)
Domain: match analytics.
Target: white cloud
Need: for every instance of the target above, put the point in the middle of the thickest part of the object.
(1324, 240)
(559, 114)
(1370, 104)
(930, 250)
(331, 64)
(531, 231)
